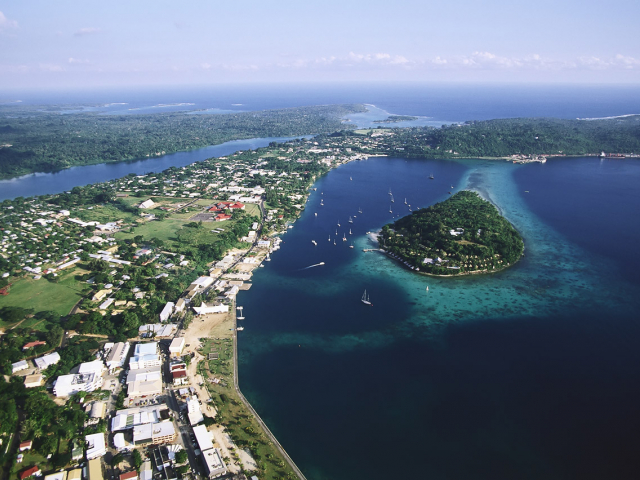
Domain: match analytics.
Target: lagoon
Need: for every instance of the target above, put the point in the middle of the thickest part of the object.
(528, 373)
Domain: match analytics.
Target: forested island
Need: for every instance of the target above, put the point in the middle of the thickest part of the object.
(38, 140)
(396, 119)
(462, 235)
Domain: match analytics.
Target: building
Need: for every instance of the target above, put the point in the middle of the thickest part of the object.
(167, 311)
(157, 330)
(47, 360)
(96, 445)
(117, 355)
(88, 379)
(154, 434)
(130, 417)
(94, 470)
(29, 472)
(145, 471)
(194, 412)
(180, 304)
(144, 381)
(146, 204)
(98, 410)
(75, 474)
(24, 446)
(19, 366)
(213, 463)
(29, 345)
(176, 347)
(203, 437)
(179, 373)
(145, 355)
(56, 476)
(129, 476)
(32, 381)
(204, 309)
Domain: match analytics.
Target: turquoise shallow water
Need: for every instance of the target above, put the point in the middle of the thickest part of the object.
(497, 376)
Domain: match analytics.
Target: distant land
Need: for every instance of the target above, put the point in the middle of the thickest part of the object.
(35, 139)
(465, 234)
(396, 119)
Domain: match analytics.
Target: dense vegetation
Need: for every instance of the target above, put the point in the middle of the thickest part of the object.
(462, 234)
(527, 136)
(45, 141)
(396, 119)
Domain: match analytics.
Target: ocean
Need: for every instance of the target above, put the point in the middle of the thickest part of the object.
(529, 373)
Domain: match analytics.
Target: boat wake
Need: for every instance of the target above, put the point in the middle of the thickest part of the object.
(311, 266)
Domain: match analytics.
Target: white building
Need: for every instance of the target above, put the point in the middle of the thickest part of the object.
(203, 436)
(147, 204)
(145, 355)
(157, 330)
(47, 360)
(194, 411)
(117, 355)
(213, 463)
(88, 379)
(176, 347)
(203, 282)
(204, 309)
(130, 417)
(154, 433)
(19, 366)
(96, 445)
(121, 443)
(167, 311)
(144, 381)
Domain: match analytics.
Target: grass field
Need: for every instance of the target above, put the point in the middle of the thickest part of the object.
(105, 214)
(43, 295)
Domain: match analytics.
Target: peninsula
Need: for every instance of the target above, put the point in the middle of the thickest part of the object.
(462, 235)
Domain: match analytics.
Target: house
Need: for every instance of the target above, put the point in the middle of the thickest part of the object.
(29, 472)
(75, 474)
(47, 360)
(24, 446)
(19, 366)
(147, 204)
(167, 311)
(213, 463)
(176, 347)
(56, 476)
(32, 381)
(121, 444)
(144, 381)
(29, 345)
(129, 476)
(180, 305)
(96, 445)
(145, 471)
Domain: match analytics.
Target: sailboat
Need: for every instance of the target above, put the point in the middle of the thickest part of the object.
(365, 299)
(427, 288)
(338, 222)
(314, 242)
(329, 237)
(389, 191)
(405, 200)
(322, 201)
(350, 220)
(392, 200)
(268, 258)
(316, 214)
(431, 177)
(334, 241)
(351, 246)
(350, 232)
(360, 210)
(344, 237)
(390, 211)
(240, 317)
(350, 178)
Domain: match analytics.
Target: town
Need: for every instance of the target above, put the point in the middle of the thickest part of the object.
(117, 304)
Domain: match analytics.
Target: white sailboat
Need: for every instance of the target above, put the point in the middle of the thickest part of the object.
(350, 220)
(268, 258)
(338, 222)
(392, 200)
(405, 200)
(344, 237)
(322, 201)
(350, 232)
(360, 210)
(314, 242)
(365, 299)
(390, 211)
(241, 317)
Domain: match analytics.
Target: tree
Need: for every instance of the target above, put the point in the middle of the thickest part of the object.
(137, 459)
(117, 459)
(182, 456)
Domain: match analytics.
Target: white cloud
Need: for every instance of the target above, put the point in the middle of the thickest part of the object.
(51, 67)
(205, 66)
(6, 24)
(77, 61)
(87, 31)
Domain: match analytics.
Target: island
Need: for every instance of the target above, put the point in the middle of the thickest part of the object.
(465, 234)
(396, 119)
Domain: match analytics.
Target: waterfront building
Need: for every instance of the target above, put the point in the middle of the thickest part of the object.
(130, 417)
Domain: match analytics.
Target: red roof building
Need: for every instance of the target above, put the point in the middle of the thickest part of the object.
(26, 445)
(129, 475)
(30, 472)
(221, 217)
(33, 344)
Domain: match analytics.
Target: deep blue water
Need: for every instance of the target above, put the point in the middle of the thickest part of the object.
(529, 373)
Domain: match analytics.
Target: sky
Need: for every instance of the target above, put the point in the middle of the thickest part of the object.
(88, 44)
